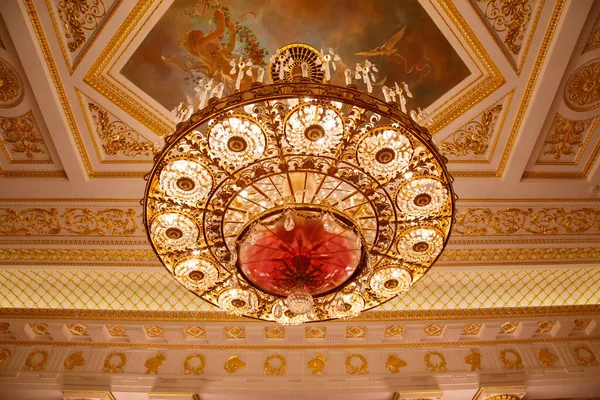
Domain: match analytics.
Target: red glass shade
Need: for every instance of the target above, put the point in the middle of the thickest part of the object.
(308, 255)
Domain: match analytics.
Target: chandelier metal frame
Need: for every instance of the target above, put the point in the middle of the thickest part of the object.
(398, 231)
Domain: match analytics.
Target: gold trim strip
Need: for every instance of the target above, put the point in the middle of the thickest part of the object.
(306, 347)
(214, 316)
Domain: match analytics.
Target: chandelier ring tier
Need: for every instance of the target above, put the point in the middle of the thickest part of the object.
(298, 201)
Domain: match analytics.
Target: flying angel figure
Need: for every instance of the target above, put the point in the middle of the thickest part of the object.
(282, 63)
(388, 48)
(330, 59)
(365, 72)
(241, 67)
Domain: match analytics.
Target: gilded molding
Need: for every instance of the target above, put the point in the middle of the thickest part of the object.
(80, 16)
(23, 140)
(70, 221)
(567, 137)
(4, 355)
(11, 86)
(235, 332)
(582, 91)
(483, 221)
(593, 41)
(355, 331)
(493, 79)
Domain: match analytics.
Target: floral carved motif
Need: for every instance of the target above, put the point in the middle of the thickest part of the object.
(78, 221)
(437, 364)
(77, 17)
(22, 136)
(518, 221)
(594, 38)
(565, 135)
(472, 137)
(582, 91)
(509, 18)
(117, 138)
(11, 86)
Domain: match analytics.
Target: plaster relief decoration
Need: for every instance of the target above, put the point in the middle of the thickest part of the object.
(394, 364)
(194, 364)
(435, 362)
(77, 23)
(77, 329)
(69, 221)
(582, 91)
(394, 331)
(118, 141)
(114, 363)
(153, 364)
(11, 85)
(476, 140)
(585, 356)
(512, 23)
(234, 364)
(547, 358)
(511, 359)
(4, 355)
(565, 141)
(473, 359)
(22, 141)
(36, 360)
(593, 41)
(74, 360)
(194, 332)
(317, 364)
(356, 364)
(275, 365)
(274, 332)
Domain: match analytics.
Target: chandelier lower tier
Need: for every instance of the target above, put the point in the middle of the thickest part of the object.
(298, 201)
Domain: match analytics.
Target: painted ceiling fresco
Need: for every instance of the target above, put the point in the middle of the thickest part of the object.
(197, 39)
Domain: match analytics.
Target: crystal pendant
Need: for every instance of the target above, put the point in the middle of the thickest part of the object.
(328, 223)
(277, 310)
(300, 301)
(288, 223)
(339, 304)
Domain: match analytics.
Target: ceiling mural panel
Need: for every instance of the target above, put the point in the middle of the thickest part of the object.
(198, 40)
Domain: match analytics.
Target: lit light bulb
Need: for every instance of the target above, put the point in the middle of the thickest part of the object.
(277, 310)
(300, 301)
(288, 223)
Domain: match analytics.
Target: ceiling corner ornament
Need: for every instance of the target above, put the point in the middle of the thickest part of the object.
(511, 359)
(547, 358)
(275, 370)
(565, 140)
(473, 359)
(509, 22)
(593, 41)
(117, 367)
(394, 364)
(299, 201)
(4, 355)
(472, 139)
(582, 91)
(79, 16)
(22, 138)
(197, 369)
(153, 364)
(118, 139)
(437, 364)
(36, 360)
(11, 86)
(317, 364)
(74, 360)
(584, 356)
(357, 364)
(234, 364)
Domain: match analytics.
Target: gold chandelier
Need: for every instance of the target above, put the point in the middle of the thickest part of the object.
(299, 201)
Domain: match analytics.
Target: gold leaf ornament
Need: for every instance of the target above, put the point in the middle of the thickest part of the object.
(353, 369)
(233, 364)
(317, 364)
(436, 365)
(117, 368)
(547, 358)
(153, 364)
(473, 359)
(275, 370)
(514, 362)
(36, 360)
(74, 360)
(394, 363)
(197, 369)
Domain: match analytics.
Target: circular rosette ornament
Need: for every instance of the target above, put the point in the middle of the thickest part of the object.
(347, 305)
(173, 231)
(390, 280)
(420, 245)
(238, 301)
(314, 128)
(237, 140)
(421, 197)
(384, 152)
(196, 273)
(187, 181)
